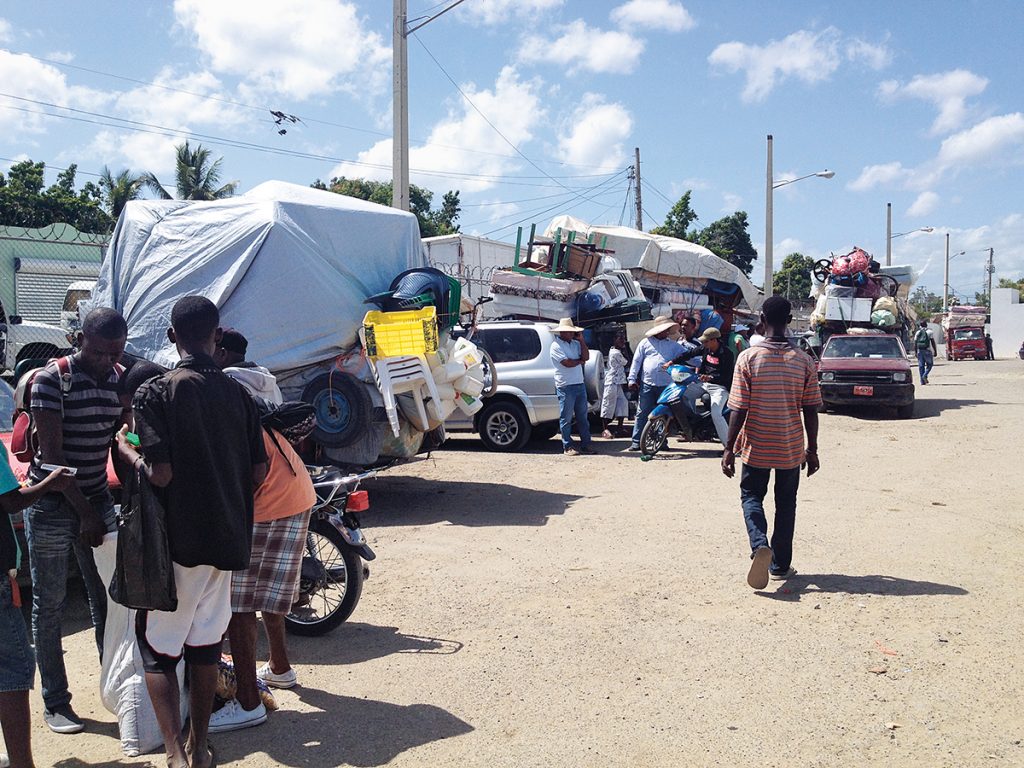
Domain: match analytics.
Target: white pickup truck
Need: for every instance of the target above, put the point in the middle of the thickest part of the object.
(23, 340)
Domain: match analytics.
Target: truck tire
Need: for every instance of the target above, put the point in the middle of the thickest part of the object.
(343, 408)
(503, 426)
(593, 376)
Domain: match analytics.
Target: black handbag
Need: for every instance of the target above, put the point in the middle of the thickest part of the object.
(144, 573)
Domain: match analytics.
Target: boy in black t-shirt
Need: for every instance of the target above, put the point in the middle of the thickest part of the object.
(203, 446)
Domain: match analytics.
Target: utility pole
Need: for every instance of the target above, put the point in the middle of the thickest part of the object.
(990, 269)
(945, 280)
(400, 104)
(888, 234)
(636, 182)
(769, 186)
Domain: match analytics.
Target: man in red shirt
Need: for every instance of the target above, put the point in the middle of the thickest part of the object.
(773, 384)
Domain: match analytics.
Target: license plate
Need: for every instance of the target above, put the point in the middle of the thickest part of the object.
(868, 391)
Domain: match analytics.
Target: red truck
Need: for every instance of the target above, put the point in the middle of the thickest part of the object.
(965, 333)
(866, 370)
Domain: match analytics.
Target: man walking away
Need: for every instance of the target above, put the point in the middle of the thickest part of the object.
(76, 410)
(270, 584)
(988, 346)
(924, 346)
(202, 444)
(648, 374)
(773, 384)
(569, 354)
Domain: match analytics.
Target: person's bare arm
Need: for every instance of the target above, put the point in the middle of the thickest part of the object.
(14, 501)
(584, 350)
(811, 426)
(736, 421)
(259, 474)
(158, 474)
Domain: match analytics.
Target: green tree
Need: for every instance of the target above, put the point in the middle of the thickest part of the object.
(793, 280)
(1005, 282)
(678, 220)
(196, 176)
(432, 223)
(924, 302)
(24, 202)
(118, 190)
(728, 238)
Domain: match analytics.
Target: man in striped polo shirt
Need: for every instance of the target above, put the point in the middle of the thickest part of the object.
(773, 384)
(77, 414)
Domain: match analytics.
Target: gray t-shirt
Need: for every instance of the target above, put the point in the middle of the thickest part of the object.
(566, 350)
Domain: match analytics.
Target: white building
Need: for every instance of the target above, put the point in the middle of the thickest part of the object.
(1007, 326)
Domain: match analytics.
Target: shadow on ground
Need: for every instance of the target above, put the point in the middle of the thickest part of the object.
(811, 583)
(342, 730)
(923, 409)
(353, 643)
(414, 501)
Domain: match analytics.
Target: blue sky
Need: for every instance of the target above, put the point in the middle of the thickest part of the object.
(916, 103)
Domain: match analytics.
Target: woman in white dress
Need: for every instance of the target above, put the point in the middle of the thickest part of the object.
(613, 401)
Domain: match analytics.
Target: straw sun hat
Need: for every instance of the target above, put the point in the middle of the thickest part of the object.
(662, 323)
(566, 325)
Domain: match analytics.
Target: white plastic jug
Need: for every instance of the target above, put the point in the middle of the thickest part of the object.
(448, 372)
(466, 353)
(440, 409)
(468, 404)
(469, 386)
(446, 391)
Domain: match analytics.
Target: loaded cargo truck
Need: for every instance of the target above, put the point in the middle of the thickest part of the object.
(964, 329)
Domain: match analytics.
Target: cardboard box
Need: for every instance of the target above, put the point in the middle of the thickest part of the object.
(848, 310)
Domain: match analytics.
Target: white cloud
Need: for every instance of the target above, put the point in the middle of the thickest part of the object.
(731, 202)
(876, 56)
(885, 174)
(513, 104)
(787, 246)
(64, 57)
(997, 137)
(925, 204)
(502, 11)
(297, 49)
(581, 47)
(593, 134)
(6, 32)
(41, 82)
(810, 57)
(663, 15)
(948, 91)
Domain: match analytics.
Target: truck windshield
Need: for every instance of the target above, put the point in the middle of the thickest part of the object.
(73, 297)
(962, 334)
(863, 346)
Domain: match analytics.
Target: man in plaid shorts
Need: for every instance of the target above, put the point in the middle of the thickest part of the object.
(270, 583)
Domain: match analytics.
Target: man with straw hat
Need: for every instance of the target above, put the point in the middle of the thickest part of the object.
(569, 354)
(648, 373)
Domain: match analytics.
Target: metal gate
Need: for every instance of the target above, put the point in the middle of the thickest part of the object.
(40, 286)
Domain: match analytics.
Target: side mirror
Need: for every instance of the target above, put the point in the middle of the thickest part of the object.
(14, 319)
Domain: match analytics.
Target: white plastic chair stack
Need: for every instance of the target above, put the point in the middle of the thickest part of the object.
(396, 375)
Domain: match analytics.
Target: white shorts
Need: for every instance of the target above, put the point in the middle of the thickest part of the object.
(195, 629)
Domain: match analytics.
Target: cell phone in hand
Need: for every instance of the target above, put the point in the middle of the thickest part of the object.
(59, 468)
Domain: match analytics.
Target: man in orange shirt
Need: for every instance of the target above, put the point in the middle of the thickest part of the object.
(270, 583)
(773, 384)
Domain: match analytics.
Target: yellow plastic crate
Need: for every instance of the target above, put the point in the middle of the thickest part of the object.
(396, 334)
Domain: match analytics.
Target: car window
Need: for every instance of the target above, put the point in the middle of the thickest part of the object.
(72, 298)
(6, 406)
(967, 333)
(866, 346)
(509, 345)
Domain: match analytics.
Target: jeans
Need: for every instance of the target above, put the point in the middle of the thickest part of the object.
(925, 360)
(51, 527)
(719, 397)
(17, 666)
(648, 400)
(572, 401)
(753, 487)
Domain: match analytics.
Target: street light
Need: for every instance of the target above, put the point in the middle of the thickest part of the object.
(945, 279)
(889, 236)
(770, 186)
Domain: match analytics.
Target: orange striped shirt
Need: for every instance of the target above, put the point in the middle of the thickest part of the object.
(773, 383)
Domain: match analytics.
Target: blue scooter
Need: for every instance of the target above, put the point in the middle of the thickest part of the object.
(673, 408)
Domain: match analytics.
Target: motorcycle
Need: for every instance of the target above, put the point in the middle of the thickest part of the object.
(673, 409)
(332, 573)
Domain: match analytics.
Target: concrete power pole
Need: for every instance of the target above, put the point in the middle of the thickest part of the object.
(888, 234)
(990, 269)
(636, 181)
(400, 95)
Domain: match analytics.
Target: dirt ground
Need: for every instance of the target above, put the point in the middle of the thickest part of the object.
(541, 610)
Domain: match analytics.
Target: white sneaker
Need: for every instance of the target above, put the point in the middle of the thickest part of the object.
(274, 680)
(231, 717)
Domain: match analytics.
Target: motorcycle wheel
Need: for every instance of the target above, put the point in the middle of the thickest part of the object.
(654, 436)
(330, 585)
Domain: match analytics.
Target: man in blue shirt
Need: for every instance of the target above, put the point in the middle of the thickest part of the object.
(569, 354)
(648, 372)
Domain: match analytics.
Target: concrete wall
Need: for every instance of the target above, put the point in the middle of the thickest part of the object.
(1007, 326)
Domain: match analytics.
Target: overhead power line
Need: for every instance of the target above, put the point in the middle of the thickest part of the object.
(265, 109)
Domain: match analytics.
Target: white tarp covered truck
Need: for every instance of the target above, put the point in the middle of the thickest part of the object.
(289, 267)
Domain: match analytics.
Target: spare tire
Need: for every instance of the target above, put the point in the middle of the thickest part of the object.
(593, 375)
(343, 408)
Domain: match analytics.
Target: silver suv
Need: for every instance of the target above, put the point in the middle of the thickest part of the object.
(525, 404)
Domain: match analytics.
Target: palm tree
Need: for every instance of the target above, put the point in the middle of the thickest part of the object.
(118, 190)
(196, 177)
